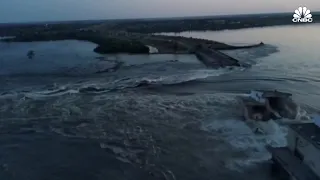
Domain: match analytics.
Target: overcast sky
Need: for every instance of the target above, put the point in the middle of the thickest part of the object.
(52, 10)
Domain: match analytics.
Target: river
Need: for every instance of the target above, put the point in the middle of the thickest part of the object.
(64, 115)
(294, 66)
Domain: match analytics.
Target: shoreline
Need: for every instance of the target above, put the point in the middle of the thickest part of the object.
(158, 43)
(110, 42)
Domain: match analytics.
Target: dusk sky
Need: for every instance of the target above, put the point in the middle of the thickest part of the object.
(52, 10)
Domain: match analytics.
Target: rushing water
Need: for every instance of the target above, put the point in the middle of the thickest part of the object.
(66, 114)
(294, 68)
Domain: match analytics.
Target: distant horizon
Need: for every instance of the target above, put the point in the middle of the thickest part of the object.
(17, 11)
(151, 18)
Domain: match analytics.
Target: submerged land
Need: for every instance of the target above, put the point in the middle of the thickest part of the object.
(136, 36)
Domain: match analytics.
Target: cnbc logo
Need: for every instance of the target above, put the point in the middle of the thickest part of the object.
(302, 14)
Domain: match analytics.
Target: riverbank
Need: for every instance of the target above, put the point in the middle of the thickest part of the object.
(115, 42)
(123, 42)
(205, 50)
(194, 42)
(106, 45)
(208, 23)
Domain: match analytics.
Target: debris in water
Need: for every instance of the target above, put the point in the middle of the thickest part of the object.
(30, 54)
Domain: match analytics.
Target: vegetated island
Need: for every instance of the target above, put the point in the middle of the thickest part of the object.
(105, 44)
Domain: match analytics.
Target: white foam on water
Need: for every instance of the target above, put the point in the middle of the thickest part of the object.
(152, 49)
(11, 95)
(302, 115)
(35, 95)
(242, 138)
(189, 75)
(39, 94)
(167, 79)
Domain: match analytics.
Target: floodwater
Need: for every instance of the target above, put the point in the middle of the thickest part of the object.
(67, 114)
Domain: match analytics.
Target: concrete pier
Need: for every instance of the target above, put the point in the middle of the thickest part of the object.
(215, 59)
(210, 57)
(207, 51)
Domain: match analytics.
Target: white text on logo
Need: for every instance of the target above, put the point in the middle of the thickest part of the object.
(302, 14)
